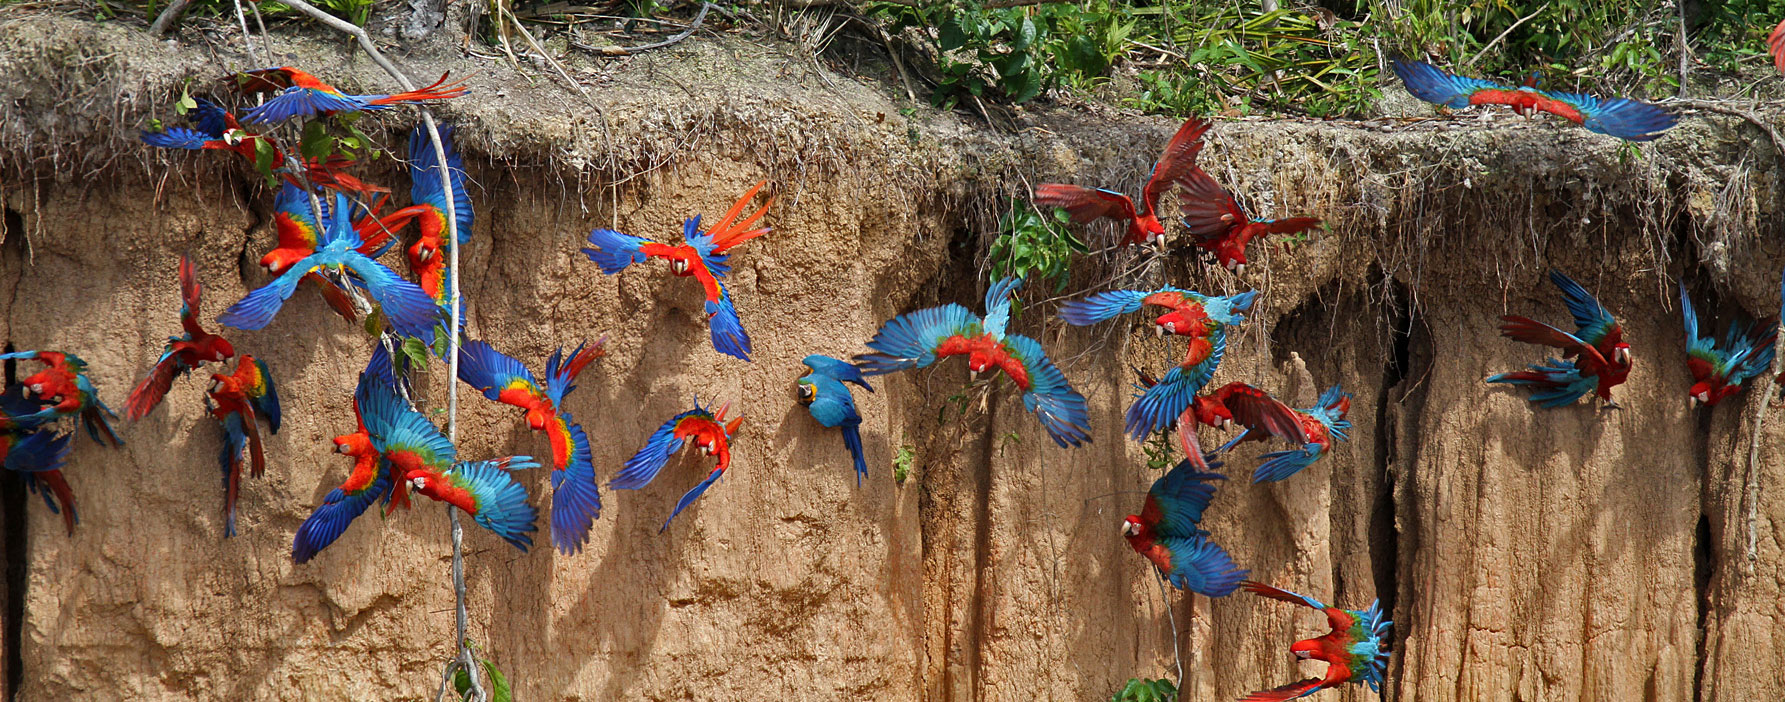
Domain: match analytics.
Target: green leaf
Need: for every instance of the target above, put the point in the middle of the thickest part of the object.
(416, 351)
(185, 103)
(263, 159)
(316, 142)
(950, 36)
(1025, 35)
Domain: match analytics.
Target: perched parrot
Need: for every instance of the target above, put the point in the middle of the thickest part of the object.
(918, 339)
(1623, 118)
(1220, 226)
(370, 478)
(486, 491)
(1775, 45)
(237, 401)
(1357, 650)
(1746, 352)
(576, 498)
(300, 94)
(1159, 405)
(1320, 425)
(1603, 357)
(217, 129)
(64, 386)
(36, 453)
(409, 309)
(1254, 409)
(711, 434)
(1086, 205)
(824, 394)
(182, 353)
(1168, 531)
(1186, 315)
(701, 255)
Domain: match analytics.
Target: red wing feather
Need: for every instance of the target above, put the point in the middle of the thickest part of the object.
(1292, 225)
(1208, 209)
(1177, 161)
(189, 293)
(1532, 331)
(1291, 691)
(336, 297)
(1256, 409)
(251, 425)
(1084, 204)
(1166, 298)
(149, 392)
(1188, 441)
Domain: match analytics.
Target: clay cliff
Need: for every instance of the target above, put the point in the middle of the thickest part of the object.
(1564, 554)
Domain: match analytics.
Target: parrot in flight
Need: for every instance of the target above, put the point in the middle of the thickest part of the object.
(1357, 649)
(1718, 372)
(299, 231)
(182, 353)
(1319, 426)
(1159, 405)
(430, 255)
(486, 491)
(409, 309)
(1086, 205)
(35, 452)
(63, 384)
(299, 94)
(701, 255)
(1254, 409)
(711, 434)
(238, 401)
(217, 129)
(1594, 359)
(1775, 45)
(1220, 226)
(823, 393)
(1186, 315)
(918, 339)
(1626, 119)
(370, 478)
(1168, 531)
(576, 498)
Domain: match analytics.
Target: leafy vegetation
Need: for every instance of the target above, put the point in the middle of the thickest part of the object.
(496, 687)
(1139, 690)
(1159, 451)
(1034, 242)
(902, 463)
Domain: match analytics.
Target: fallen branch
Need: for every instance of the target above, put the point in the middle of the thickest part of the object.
(1515, 25)
(631, 50)
(168, 17)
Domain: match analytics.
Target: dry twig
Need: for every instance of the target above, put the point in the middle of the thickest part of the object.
(632, 50)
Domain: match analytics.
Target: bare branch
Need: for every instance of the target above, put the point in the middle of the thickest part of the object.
(168, 17)
(628, 51)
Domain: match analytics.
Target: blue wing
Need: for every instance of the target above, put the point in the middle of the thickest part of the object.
(643, 466)
(209, 118)
(1226, 309)
(997, 305)
(702, 242)
(38, 451)
(1098, 307)
(257, 309)
(176, 138)
(502, 504)
(305, 102)
(1182, 495)
(1061, 409)
(1591, 318)
(1435, 86)
(1158, 406)
(576, 498)
(689, 497)
(1328, 411)
(330, 519)
(910, 340)
(1201, 566)
(235, 440)
(725, 328)
(833, 406)
(1279, 465)
(424, 178)
(489, 370)
(1630, 120)
(613, 251)
(837, 370)
(1558, 382)
(410, 311)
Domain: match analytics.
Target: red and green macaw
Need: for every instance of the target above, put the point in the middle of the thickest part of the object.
(410, 311)
(299, 234)
(238, 400)
(1721, 371)
(1220, 226)
(370, 478)
(36, 452)
(1086, 205)
(701, 255)
(182, 353)
(64, 387)
(918, 339)
(431, 254)
(1319, 426)
(217, 129)
(710, 433)
(1254, 409)
(1185, 314)
(1168, 531)
(1775, 45)
(1357, 649)
(576, 498)
(823, 393)
(1623, 118)
(1161, 404)
(1594, 359)
(300, 94)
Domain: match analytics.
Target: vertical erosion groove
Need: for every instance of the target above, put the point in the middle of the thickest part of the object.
(12, 489)
(1702, 567)
(1384, 539)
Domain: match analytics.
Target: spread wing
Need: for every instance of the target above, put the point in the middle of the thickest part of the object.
(424, 180)
(501, 502)
(644, 466)
(493, 372)
(841, 371)
(1177, 162)
(1061, 410)
(1201, 566)
(1631, 120)
(1209, 210)
(1256, 409)
(1429, 83)
(177, 138)
(1098, 307)
(330, 519)
(189, 295)
(613, 251)
(911, 340)
(1085, 205)
(1175, 502)
(576, 498)
(409, 308)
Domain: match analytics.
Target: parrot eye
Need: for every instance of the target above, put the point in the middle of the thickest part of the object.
(807, 392)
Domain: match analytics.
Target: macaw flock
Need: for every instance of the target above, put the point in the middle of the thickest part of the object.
(331, 236)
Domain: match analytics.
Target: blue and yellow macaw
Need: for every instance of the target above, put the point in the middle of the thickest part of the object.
(1623, 118)
(710, 433)
(823, 393)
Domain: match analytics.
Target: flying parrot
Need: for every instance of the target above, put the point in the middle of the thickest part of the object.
(1357, 649)
(710, 433)
(1594, 359)
(300, 94)
(64, 385)
(701, 255)
(1254, 409)
(409, 309)
(1159, 405)
(217, 129)
(1186, 315)
(1086, 205)
(1720, 371)
(1623, 118)
(36, 453)
(430, 255)
(370, 478)
(918, 339)
(1320, 425)
(1775, 45)
(1220, 226)
(822, 391)
(238, 400)
(1168, 531)
(576, 498)
(182, 353)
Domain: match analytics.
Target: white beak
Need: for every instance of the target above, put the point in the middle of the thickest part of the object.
(1239, 269)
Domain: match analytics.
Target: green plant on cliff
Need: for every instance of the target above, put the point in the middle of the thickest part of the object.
(1034, 242)
(1143, 690)
(499, 689)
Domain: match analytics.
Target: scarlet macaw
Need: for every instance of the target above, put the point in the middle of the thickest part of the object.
(576, 498)
(299, 231)
(1086, 205)
(1720, 372)
(918, 339)
(710, 433)
(1219, 225)
(1775, 45)
(1320, 425)
(1187, 316)
(1254, 409)
(1168, 531)
(182, 353)
(64, 386)
(1357, 649)
(36, 453)
(1604, 357)
(1623, 118)
(409, 309)
(1159, 405)
(824, 395)
(370, 477)
(219, 130)
(303, 95)
(237, 400)
(701, 255)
